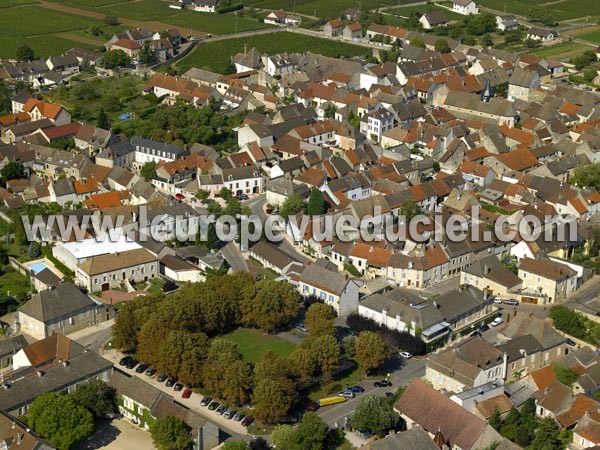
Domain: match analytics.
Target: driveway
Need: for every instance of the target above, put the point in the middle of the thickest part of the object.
(118, 434)
(229, 426)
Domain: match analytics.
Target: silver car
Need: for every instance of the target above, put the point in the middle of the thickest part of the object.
(229, 413)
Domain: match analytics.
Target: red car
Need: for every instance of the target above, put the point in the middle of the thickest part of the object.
(314, 406)
(187, 393)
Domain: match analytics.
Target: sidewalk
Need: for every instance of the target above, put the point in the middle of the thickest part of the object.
(193, 403)
(91, 330)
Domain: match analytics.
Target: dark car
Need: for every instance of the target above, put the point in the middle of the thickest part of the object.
(171, 382)
(382, 383)
(187, 393)
(239, 417)
(247, 421)
(205, 401)
(178, 387)
(356, 389)
(161, 378)
(213, 406)
(221, 409)
(141, 368)
(132, 363)
(483, 328)
(292, 419)
(475, 333)
(150, 372)
(125, 360)
(313, 407)
(571, 342)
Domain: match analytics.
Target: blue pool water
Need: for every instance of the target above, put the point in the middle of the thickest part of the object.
(38, 267)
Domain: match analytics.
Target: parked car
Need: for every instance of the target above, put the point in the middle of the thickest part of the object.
(162, 377)
(171, 382)
(125, 360)
(382, 383)
(221, 409)
(497, 321)
(178, 387)
(475, 333)
(213, 406)
(112, 415)
(151, 371)
(313, 407)
(141, 368)
(347, 394)
(356, 389)
(405, 355)
(571, 342)
(275, 212)
(511, 302)
(497, 300)
(247, 421)
(229, 413)
(132, 363)
(239, 417)
(205, 401)
(483, 328)
(292, 419)
(187, 393)
(301, 327)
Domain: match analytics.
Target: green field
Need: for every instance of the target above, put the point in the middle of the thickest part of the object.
(215, 56)
(560, 10)
(11, 3)
(591, 33)
(324, 9)
(565, 50)
(253, 344)
(406, 11)
(215, 23)
(36, 27)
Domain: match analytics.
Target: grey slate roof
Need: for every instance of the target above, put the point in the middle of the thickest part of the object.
(10, 345)
(53, 304)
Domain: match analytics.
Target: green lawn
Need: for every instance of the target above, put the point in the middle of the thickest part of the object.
(565, 50)
(254, 343)
(136, 9)
(13, 283)
(215, 56)
(591, 33)
(11, 3)
(215, 23)
(338, 385)
(406, 11)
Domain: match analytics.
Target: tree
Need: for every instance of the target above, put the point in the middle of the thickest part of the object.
(589, 73)
(441, 45)
(115, 58)
(417, 41)
(25, 53)
(375, 415)
(235, 445)
(272, 399)
(148, 170)
(495, 420)
(171, 433)
(486, 40)
(325, 351)
(547, 436)
(237, 379)
(371, 350)
(225, 194)
(146, 55)
(410, 209)
(330, 110)
(202, 194)
(311, 434)
(12, 171)
(259, 444)
(284, 436)
(224, 373)
(292, 206)
(102, 120)
(60, 419)
(97, 397)
(111, 21)
(319, 319)
(316, 203)
(564, 375)
(34, 250)
(182, 355)
(270, 305)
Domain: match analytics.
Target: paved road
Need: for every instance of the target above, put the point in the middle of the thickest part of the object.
(404, 373)
(587, 297)
(235, 429)
(231, 252)
(257, 205)
(94, 337)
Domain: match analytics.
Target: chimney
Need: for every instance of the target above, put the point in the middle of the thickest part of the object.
(486, 269)
(504, 365)
(40, 373)
(19, 438)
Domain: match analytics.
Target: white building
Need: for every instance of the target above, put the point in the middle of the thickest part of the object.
(465, 7)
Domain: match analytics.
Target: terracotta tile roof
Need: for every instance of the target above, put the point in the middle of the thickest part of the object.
(569, 108)
(589, 427)
(375, 256)
(578, 205)
(478, 170)
(543, 377)
(85, 187)
(580, 406)
(48, 110)
(477, 154)
(312, 177)
(335, 23)
(12, 119)
(517, 159)
(62, 131)
(107, 200)
(127, 43)
(547, 269)
(339, 77)
(354, 26)
(500, 403)
(517, 135)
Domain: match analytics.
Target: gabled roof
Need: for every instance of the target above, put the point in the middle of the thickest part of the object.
(51, 305)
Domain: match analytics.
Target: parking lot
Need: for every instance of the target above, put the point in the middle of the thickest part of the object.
(193, 402)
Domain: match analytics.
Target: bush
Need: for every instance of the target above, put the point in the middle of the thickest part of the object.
(230, 8)
(111, 21)
(169, 286)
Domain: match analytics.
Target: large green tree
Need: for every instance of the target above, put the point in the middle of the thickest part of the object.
(316, 203)
(292, 206)
(319, 319)
(12, 171)
(274, 390)
(97, 396)
(371, 350)
(182, 355)
(270, 305)
(311, 434)
(60, 419)
(25, 53)
(148, 170)
(235, 445)
(375, 415)
(171, 433)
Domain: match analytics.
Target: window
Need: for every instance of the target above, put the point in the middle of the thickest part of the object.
(71, 321)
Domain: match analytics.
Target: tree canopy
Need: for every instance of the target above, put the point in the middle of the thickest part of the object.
(316, 203)
(97, 396)
(12, 171)
(148, 170)
(292, 206)
(25, 53)
(171, 433)
(371, 350)
(60, 419)
(375, 415)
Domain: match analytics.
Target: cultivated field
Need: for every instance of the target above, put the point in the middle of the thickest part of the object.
(215, 23)
(406, 11)
(565, 50)
(591, 33)
(215, 56)
(560, 9)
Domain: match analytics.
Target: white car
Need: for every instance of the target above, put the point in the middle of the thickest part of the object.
(497, 321)
(405, 355)
(347, 394)
(497, 300)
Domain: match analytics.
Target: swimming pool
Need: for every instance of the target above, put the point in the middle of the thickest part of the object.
(37, 267)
